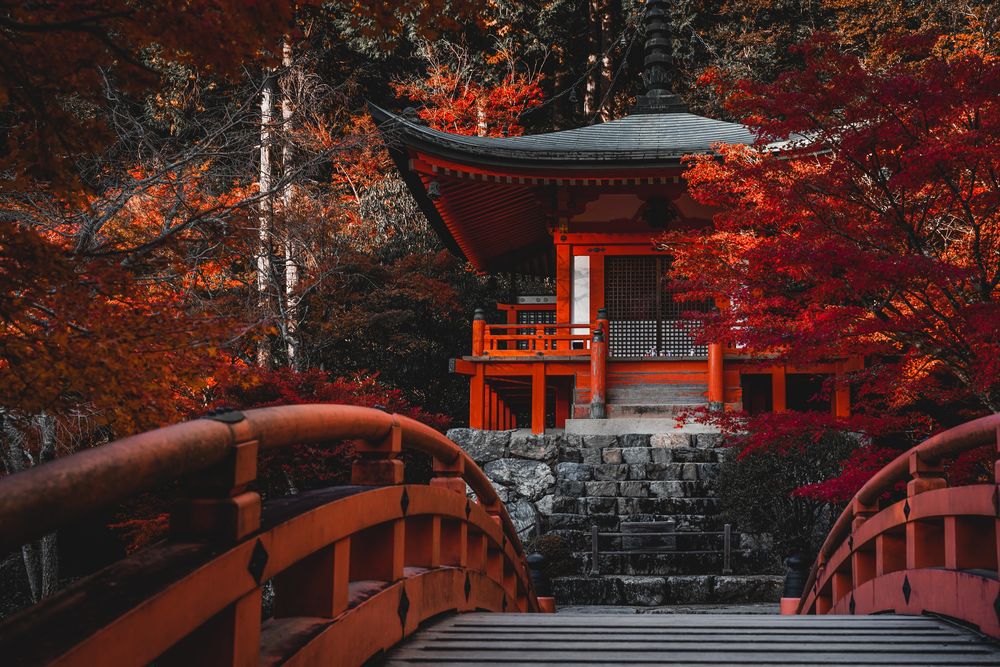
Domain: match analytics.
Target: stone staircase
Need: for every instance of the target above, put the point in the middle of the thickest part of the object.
(655, 400)
(608, 472)
(664, 477)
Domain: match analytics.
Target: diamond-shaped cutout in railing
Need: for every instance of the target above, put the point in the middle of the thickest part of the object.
(906, 508)
(906, 589)
(468, 586)
(851, 605)
(468, 508)
(404, 608)
(404, 501)
(258, 561)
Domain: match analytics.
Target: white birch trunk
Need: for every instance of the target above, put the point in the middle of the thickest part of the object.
(266, 219)
(591, 96)
(41, 558)
(291, 310)
(481, 127)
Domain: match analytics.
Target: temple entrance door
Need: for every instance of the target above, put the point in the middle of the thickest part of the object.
(644, 318)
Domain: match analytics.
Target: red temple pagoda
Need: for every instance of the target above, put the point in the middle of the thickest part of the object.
(585, 207)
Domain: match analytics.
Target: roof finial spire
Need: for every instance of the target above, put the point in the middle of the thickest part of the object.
(656, 73)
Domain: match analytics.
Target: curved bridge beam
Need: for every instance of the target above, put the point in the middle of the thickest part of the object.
(353, 569)
(935, 551)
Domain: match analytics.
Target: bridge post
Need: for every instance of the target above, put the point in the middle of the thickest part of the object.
(863, 560)
(315, 586)
(925, 540)
(378, 463)
(795, 584)
(924, 476)
(220, 509)
(449, 475)
(231, 638)
(823, 601)
(494, 558)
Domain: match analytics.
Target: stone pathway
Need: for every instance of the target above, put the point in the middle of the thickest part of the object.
(757, 608)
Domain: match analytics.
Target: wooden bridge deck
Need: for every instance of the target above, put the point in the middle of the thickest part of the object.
(692, 639)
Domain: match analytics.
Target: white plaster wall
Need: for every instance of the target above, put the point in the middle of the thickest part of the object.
(580, 312)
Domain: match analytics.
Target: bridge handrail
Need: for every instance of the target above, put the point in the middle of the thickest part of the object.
(922, 461)
(353, 569)
(37, 501)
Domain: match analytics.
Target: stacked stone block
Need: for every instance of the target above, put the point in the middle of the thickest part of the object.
(565, 484)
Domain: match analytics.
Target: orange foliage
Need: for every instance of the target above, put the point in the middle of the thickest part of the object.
(458, 103)
(91, 336)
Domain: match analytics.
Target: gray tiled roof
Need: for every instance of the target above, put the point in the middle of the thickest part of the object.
(661, 137)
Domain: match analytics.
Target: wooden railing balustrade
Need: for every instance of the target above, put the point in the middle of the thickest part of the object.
(519, 340)
(355, 569)
(933, 552)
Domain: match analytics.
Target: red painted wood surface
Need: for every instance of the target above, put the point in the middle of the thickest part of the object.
(935, 551)
(355, 569)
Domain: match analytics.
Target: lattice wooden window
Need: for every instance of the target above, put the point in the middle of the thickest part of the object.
(534, 317)
(644, 317)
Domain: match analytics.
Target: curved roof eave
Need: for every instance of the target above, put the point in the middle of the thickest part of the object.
(637, 141)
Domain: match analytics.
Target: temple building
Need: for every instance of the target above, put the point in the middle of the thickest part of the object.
(584, 207)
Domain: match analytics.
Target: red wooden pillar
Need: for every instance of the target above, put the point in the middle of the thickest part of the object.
(778, 390)
(716, 370)
(996, 478)
(562, 406)
(841, 396)
(716, 385)
(478, 332)
(538, 398)
(494, 422)
(477, 391)
(599, 367)
(564, 282)
(596, 284)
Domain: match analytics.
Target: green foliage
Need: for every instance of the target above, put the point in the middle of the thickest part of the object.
(757, 491)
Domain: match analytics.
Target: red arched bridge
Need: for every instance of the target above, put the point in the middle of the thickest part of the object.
(358, 570)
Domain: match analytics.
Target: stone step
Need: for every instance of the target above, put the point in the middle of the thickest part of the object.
(626, 507)
(633, 409)
(679, 562)
(632, 425)
(666, 392)
(576, 529)
(678, 438)
(683, 541)
(565, 521)
(661, 455)
(650, 591)
(656, 489)
(619, 472)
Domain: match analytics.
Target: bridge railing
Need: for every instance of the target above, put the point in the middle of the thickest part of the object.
(354, 569)
(934, 551)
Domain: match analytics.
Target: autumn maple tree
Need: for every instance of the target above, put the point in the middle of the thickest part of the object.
(453, 96)
(864, 221)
